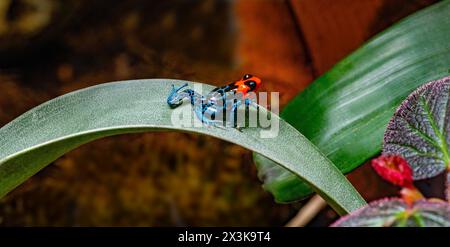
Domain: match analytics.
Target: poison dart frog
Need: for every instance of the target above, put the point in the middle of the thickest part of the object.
(221, 100)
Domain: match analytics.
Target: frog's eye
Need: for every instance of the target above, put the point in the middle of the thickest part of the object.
(247, 76)
(251, 84)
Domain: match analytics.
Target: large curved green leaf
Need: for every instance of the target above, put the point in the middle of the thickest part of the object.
(346, 110)
(46, 132)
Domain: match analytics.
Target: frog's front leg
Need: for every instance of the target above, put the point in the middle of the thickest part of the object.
(248, 102)
(251, 102)
(232, 113)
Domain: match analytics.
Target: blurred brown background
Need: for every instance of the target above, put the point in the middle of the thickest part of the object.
(51, 47)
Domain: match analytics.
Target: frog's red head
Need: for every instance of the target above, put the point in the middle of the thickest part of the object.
(247, 84)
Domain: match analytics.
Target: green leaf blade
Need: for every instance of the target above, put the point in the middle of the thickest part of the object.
(346, 110)
(46, 132)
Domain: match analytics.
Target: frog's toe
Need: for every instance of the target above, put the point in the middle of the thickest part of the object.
(177, 89)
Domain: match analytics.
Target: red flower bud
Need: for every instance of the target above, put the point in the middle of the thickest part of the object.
(394, 169)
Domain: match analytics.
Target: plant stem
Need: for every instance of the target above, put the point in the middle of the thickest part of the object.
(447, 184)
(411, 194)
(307, 212)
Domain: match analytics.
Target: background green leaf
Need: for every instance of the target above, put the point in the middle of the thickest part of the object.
(346, 110)
(46, 132)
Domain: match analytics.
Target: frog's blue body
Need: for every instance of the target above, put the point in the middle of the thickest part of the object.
(217, 107)
(221, 104)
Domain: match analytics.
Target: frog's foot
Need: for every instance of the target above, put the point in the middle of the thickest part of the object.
(220, 126)
(212, 123)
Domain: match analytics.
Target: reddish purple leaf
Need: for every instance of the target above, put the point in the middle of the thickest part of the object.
(396, 212)
(419, 129)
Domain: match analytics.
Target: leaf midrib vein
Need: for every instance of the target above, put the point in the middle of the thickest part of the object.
(443, 143)
(423, 135)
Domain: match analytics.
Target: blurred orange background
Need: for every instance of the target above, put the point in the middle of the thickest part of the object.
(51, 47)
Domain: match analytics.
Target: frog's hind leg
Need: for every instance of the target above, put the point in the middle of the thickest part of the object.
(213, 123)
(175, 99)
(177, 89)
(240, 124)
